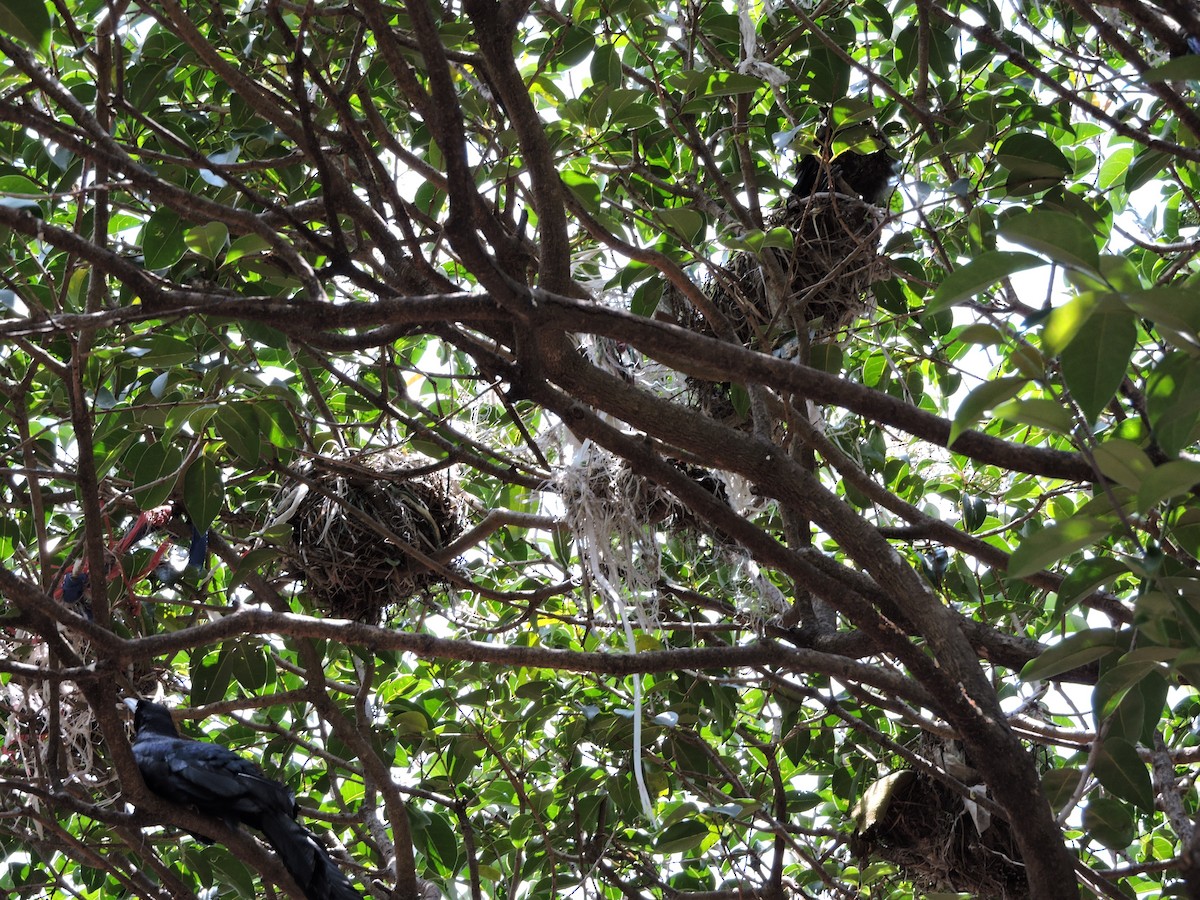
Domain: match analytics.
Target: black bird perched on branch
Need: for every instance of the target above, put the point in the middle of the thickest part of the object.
(215, 781)
(866, 175)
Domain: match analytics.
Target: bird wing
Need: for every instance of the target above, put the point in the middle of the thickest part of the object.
(211, 778)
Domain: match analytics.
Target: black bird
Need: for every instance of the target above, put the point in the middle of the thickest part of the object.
(866, 175)
(215, 781)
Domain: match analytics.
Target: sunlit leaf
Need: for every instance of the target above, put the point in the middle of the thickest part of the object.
(1094, 362)
(1071, 653)
(981, 272)
(981, 399)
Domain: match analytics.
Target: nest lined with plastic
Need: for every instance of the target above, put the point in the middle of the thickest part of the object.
(353, 530)
(41, 718)
(927, 832)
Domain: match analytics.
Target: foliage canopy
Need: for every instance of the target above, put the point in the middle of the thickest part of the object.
(584, 517)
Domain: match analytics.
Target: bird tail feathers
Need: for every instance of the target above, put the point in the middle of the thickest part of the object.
(306, 860)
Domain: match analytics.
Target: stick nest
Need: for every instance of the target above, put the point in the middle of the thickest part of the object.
(929, 835)
(352, 532)
(781, 300)
(823, 281)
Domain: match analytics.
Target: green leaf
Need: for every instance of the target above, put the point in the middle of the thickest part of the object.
(682, 836)
(1060, 785)
(1040, 412)
(974, 513)
(1173, 401)
(686, 224)
(1175, 311)
(1063, 238)
(783, 238)
(1148, 164)
(246, 245)
(982, 399)
(828, 75)
(441, 845)
(584, 188)
(1124, 462)
(575, 45)
(1168, 480)
(1183, 68)
(1042, 548)
(211, 676)
(606, 66)
(1115, 683)
(797, 745)
(162, 240)
(1094, 362)
(155, 474)
(1077, 650)
(1066, 320)
(1114, 168)
(730, 83)
(1029, 155)
(983, 271)
(1121, 770)
(27, 21)
(18, 192)
(1084, 578)
(250, 665)
(208, 240)
(1109, 821)
(203, 492)
(237, 422)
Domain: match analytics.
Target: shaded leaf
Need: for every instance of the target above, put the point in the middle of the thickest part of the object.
(1029, 155)
(155, 473)
(1124, 462)
(1168, 480)
(1060, 785)
(1085, 577)
(1121, 770)
(1063, 238)
(27, 21)
(982, 399)
(1109, 821)
(162, 239)
(682, 836)
(238, 424)
(203, 492)
(1041, 412)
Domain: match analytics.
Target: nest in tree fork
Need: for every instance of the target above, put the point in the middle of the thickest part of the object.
(817, 287)
(352, 532)
(924, 828)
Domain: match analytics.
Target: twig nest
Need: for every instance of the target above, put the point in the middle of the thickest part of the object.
(362, 528)
(808, 292)
(781, 299)
(936, 839)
